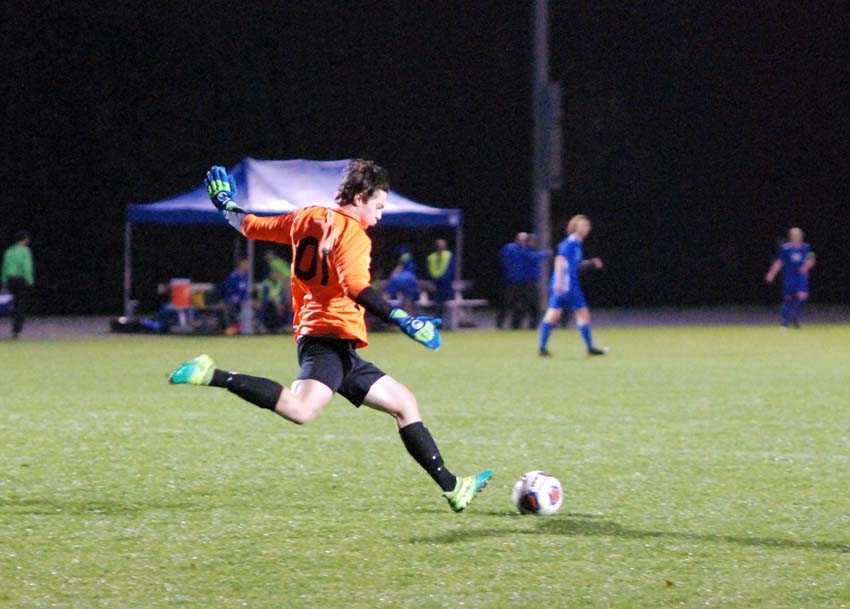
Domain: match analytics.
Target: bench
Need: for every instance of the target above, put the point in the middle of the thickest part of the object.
(458, 307)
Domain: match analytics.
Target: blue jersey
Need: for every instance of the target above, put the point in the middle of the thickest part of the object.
(793, 258)
(570, 249)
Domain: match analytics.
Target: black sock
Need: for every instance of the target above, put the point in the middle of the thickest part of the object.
(220, 378)
(257, 390)
(419, 443)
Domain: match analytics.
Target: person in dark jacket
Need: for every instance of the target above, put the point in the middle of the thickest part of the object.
(520, 263)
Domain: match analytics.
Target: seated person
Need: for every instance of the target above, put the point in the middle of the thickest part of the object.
(161, 323)
(274, 301)
(276, 264)
(403, 286)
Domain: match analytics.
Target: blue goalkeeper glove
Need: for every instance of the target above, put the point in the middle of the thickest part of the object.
(424, 330)
(222, 189)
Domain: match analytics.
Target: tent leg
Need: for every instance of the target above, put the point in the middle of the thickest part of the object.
(128, 269)
(247, 313)
(457, 293)
(458, 252)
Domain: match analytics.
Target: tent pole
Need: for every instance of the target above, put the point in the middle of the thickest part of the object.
(459, 250)
(247, 325)
(128, 268)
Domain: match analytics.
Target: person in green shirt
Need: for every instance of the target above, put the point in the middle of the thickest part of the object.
(277, 264)
(18, 277)
(441, 271)
(275, 296)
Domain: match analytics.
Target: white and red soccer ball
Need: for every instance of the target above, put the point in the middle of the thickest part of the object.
(538, 493)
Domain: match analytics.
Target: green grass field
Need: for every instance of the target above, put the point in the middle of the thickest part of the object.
(703, 467)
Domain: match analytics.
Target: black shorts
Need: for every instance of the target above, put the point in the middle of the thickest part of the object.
(335, 363)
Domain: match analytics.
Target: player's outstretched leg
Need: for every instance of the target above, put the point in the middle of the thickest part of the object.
(388, 395)
(300, 405)
(201, 370)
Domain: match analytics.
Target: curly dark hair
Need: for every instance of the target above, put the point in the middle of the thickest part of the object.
(362, 177)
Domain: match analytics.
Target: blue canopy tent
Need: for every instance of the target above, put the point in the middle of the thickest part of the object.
(274, 188)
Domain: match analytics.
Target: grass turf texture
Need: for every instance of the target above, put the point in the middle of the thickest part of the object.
(702, 467)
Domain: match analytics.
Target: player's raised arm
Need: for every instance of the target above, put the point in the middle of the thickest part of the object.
(221, 189)
(274, 228)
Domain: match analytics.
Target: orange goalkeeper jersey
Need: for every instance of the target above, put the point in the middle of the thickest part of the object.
(330, 267)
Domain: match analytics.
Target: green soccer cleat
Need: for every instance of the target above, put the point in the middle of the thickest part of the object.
(466, 489)
(198, 371)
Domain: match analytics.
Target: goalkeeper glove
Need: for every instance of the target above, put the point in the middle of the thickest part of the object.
(222, 188)
(424, 330)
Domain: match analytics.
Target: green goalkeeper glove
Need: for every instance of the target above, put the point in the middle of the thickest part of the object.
(222, 189)
(424, 330)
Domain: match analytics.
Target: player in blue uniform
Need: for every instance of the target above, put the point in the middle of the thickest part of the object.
(795, 259)
(565, 290)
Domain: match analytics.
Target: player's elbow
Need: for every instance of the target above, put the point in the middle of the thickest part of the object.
(353, 289)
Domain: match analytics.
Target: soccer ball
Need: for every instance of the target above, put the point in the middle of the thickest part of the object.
(537, 493)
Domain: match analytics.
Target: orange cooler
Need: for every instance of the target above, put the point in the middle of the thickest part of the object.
(181, 293)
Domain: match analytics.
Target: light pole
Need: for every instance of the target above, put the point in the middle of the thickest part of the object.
(542, 126)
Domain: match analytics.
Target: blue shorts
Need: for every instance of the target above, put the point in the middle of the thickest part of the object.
(800, 284)
(574, 299)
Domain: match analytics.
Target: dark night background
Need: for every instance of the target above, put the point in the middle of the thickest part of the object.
(695, 134)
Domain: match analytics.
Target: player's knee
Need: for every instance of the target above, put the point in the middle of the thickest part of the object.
(409, 407)
(297, 411)
(406, 407)
(303, 414)
(298, 416)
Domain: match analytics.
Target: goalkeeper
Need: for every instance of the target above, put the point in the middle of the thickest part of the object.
(330, 290)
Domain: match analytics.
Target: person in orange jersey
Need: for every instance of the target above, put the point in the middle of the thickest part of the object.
(330, 292)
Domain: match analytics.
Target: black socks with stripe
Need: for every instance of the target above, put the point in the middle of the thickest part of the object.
(421, 446)
(259, 391)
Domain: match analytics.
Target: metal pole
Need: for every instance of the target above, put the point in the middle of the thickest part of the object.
(247, 312)
(128, 268)
(237, 249)
(459, 249)
(542, 220)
